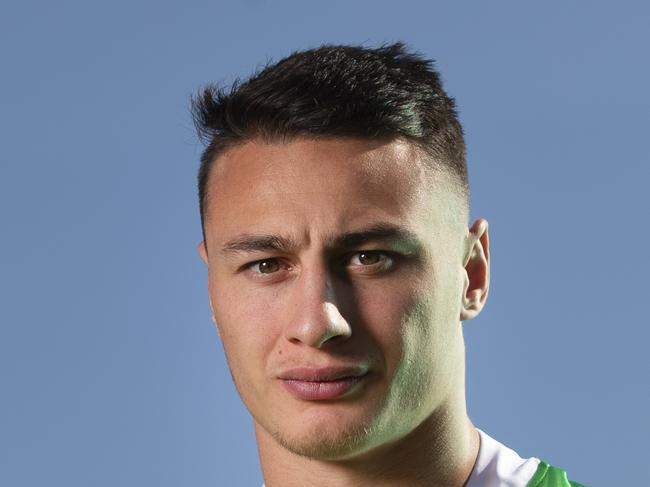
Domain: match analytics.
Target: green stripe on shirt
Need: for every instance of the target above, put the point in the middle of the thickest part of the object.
(548, 476)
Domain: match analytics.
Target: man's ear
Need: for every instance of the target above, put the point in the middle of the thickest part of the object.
(476, 265)
(203, 253)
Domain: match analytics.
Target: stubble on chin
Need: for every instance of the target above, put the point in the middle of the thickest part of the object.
(328, 443)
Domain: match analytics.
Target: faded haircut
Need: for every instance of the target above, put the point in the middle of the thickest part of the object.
(334, 91)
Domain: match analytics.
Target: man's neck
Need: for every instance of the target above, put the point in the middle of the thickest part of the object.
(441, 452)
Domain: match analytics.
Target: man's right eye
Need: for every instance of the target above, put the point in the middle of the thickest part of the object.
(266, 270)
(266, 266)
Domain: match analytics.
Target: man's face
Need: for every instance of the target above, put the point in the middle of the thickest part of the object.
(335, 276)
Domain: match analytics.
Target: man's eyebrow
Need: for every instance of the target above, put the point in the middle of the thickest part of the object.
(258, 243)
(248, 243)
(377, 232)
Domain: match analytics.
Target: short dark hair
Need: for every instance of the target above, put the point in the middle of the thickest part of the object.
(334, 91)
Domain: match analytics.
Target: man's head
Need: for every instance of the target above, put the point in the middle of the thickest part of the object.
(334, 205)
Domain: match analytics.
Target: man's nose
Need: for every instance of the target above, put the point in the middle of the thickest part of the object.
(316, 318)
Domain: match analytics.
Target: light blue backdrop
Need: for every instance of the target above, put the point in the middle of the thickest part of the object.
(111, 373)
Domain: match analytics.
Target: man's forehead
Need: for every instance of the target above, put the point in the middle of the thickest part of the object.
(328, 187)
(360, 157)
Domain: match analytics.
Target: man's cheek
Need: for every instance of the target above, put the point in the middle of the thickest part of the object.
(243, 366)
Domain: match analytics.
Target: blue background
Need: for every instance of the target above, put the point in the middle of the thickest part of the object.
(110, 371)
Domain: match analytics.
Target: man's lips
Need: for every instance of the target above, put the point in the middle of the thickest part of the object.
(322, 374)
(314, 384)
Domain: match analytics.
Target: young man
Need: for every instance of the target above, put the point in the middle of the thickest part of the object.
(334, 203)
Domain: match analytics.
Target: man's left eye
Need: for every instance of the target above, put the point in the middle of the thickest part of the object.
(370, 258)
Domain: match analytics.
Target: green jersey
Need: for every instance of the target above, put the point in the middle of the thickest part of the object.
(549, 476)
(498, 465)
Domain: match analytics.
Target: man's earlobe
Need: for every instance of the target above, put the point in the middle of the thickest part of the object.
(477, 270)
(203, 253)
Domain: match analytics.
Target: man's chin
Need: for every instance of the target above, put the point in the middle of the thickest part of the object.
(327, 442)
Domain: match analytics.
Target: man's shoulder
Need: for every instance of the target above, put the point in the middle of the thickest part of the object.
(496, 464)
(549, 476)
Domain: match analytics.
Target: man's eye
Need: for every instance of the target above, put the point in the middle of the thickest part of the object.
(370, 258)
(266, 266)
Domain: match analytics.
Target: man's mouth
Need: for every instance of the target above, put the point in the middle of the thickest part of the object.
(317, 384)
